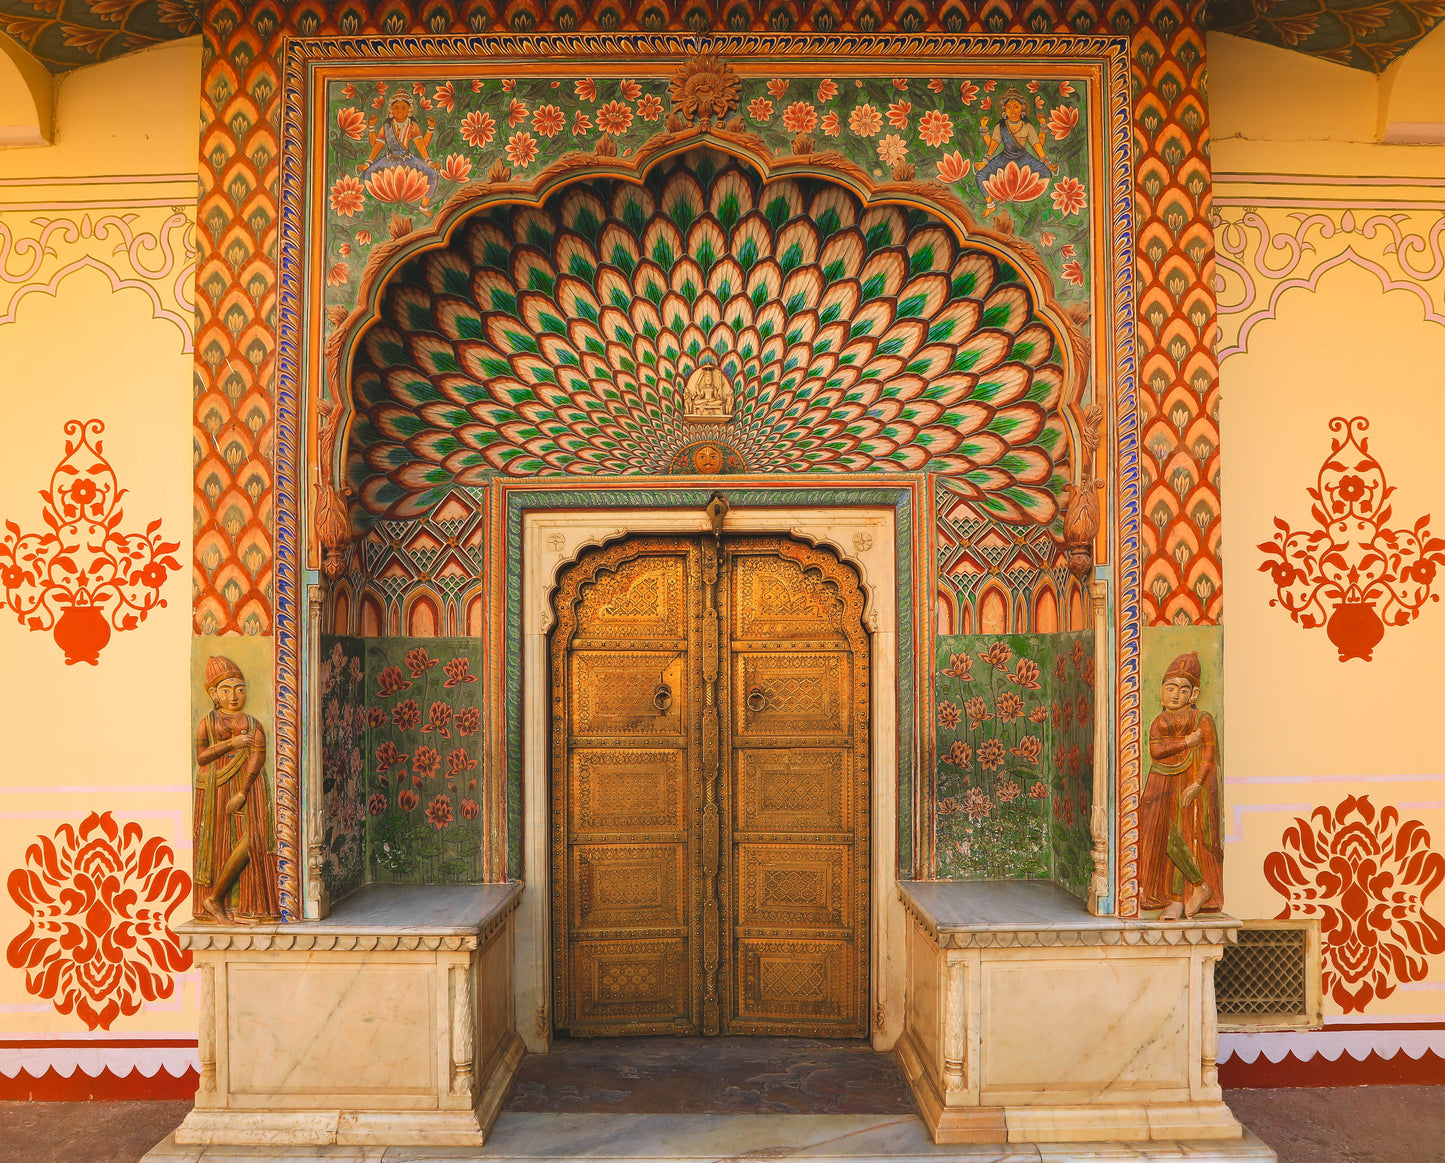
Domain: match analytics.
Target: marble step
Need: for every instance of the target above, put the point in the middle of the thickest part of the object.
(651, 1138)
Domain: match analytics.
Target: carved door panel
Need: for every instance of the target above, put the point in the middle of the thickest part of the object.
(799, 747)
(710, 791)
(624, 714)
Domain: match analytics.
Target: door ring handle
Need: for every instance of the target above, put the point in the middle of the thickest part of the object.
(757, 700)
(662, 698)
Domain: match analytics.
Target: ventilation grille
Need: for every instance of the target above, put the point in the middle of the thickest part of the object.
(1265, 978)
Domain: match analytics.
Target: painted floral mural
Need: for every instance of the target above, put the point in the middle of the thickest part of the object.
(1014, 733)
(1012, 149)
(343, 766)
(423, 733)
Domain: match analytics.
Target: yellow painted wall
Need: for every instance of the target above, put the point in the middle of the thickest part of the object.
(96, 267)
(1331, 303)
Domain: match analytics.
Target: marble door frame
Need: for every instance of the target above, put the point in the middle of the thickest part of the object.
(861, 535)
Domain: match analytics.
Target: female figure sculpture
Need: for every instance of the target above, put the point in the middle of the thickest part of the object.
(1180, 846)
(235, 834)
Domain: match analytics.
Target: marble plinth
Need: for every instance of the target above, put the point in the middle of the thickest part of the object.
(389, 1023)
(650, 1138)
(1031, 1021)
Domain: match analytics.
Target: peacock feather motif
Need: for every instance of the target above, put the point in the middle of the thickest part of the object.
(856, 337)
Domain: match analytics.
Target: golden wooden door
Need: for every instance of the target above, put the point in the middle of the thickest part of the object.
(710, 790)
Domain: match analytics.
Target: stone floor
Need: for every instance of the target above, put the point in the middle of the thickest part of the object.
(1382, 1124)
(760, 1076)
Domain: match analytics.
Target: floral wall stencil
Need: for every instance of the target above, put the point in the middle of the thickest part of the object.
(1367, 875)
(98, 940)
(1353, 574)
(83, 576)
(423, 735)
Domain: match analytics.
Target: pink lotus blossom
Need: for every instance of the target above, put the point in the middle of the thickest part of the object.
(892, 149)
(478, 129)
(935, 127)
(457, 168)
(347, 196)
(614, 118)
(865, 120)
(1012, 184)
(400, 184)
(352, 122)
(1062, 121)
(800, 117)
(521, 149)
(953, 167)
(1068, 195)
(548, 120)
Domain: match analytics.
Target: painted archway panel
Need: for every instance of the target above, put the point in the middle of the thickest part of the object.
(845, 337)
(403, 144)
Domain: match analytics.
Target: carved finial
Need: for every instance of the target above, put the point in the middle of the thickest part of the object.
(332, 519)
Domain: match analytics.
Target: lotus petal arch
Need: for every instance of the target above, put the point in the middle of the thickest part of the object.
(557, 340)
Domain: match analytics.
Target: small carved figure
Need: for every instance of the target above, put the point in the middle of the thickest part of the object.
(235, 833)
(708, 395)
(1180, 846)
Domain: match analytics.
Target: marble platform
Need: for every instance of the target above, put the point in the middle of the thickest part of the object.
(389, 1022)
(726, 1139)
(1029, 1020)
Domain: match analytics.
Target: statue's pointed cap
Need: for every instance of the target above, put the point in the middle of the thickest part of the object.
(1186, 666)
(219, 668)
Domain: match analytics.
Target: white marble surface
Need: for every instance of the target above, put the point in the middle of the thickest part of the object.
(719, 1138)
(959, 906)
(411, 909)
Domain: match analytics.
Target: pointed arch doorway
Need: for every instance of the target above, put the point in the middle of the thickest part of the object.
(710, 790)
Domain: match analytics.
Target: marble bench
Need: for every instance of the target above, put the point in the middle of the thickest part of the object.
(388, 1023)
(1030, 1020)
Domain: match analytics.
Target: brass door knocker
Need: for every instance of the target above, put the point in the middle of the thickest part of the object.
(757, 700)
(662, 698)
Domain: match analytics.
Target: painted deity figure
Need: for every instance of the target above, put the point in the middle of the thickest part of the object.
(400, 142)
(1180, 842)
(235, 832)
(708, 395)
(1013, 138)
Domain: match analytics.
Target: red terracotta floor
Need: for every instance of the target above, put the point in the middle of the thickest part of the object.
(1379, 1124)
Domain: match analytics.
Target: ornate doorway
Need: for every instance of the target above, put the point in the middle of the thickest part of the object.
(710, 790)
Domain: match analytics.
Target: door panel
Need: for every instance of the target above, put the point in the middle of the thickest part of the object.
(710, 790)
(624, 887)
